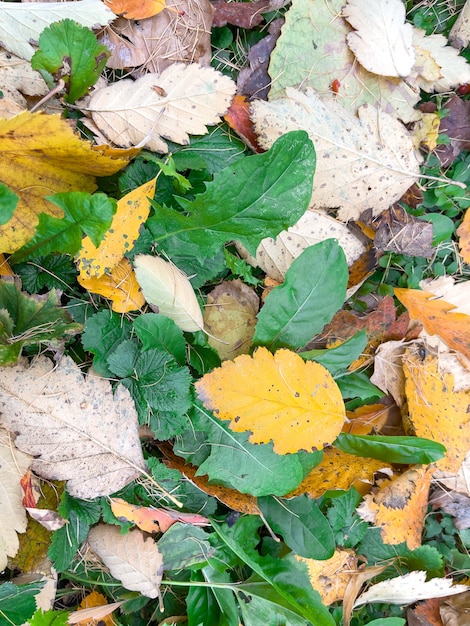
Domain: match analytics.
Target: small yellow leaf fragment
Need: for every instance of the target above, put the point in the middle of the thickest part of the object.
(331, 576)
(119, 285)
(132, 211)
(278, 397)
(136, 9)
(463, 232)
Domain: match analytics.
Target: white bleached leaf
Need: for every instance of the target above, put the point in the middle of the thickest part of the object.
(382, 41)
(409, 588)
(362, 162)
(134, 558)
(169, 291)
(182, 99)
(18, 78)
(22, 23)
(76, 428)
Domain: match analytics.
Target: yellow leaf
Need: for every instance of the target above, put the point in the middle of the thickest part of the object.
(332, 576)
(437, 318)
(132, 211)
(278, 397)
(5, 269)
(463, 232)
(136, 9)
(119, 285)
(436, 410)
(40, 156)
(90, 617)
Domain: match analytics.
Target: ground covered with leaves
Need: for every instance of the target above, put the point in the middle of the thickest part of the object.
(234, 313)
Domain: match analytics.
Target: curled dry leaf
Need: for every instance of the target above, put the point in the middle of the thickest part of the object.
(18, 79)
(134, 559)
(75, 428)
(182, 99)
(168, 290)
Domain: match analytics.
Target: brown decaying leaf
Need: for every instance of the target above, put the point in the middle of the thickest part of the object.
(76, 428)
(238, 118)
(332, 576)
(455, 611)
(399, 232)
(47, 518)
(455, 504)
(241, 14)
(425, 613)
(456, 125)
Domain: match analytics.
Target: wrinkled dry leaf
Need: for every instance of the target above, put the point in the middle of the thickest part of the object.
(455, 504)
(168, 290)
(47, 518)
(134, 559)
(399, 232)
(382, 41)
(242, 14)
(455, 611)
(331, 576)
(456, 125)
(388, 370)
(409, 588)
(446, 288)
(182, 99)
(12, 514)
(75, 428)
(22, 23)
(361, 162)
(459, 35)
(18, 79)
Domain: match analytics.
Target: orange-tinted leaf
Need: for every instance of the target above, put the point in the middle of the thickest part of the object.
(436, 410)
(132, 210)
(153, 520)
(332, 576)
(94, 608)
(39, 147)
(399, 508)
(278, 397)
(29, 498)
(426, 613)
(362, 267)
(366, 419)
(119, 285)
(136, 9)
(339, 470)
(5, 269)
(463, 232)
(238, 117)
(437, 318)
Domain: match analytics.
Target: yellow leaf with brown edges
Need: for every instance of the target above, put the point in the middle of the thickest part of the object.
(132, 211)
(279, 398)
(120, 286)
(332, 576)
(136, 9)
(40, 156)
(437, 318)
(436, 410)
(399, 508)
(463, 233)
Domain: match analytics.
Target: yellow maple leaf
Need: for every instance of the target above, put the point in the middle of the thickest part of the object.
(41, 156)
(136, 9)
(436, 410)
(279, 397)
(132, 211)
(119, 285)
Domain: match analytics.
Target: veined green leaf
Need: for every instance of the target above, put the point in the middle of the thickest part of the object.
(8, 202)
(17, 603)
(391, 449)
(339, 358)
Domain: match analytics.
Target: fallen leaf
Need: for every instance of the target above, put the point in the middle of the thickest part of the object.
(238, 118)
(400, 507)
(409, 588)
(241, 14)
(168, 290)
(367, 419)
(75, 428)
(459, 35)
(66, 163)
(361, 162)
(330, 577)
(388, 370)
(22, 23)
(152, 520)
(18, 79)
(12, 514)
(47, 518)
(454, 611)
(94, 608)
(382, 41)
(456, 125)
(279, 398)
(426, 132)
(182, 99)
(120, 286)
(455, 504)
(134, 559)
(230, 318)
(5, 269)
(136, 9)
(399, 232)
(30, 498)
(425, 613)
(132, 211)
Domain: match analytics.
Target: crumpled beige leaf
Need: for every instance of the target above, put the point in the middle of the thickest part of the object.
(382, 41)
(182, 99)
(409, 588)
(13, 518)
(362, 162)
(459, 35)
(168, 290)
(134, 558)
(17, 77)
(22, 23)
(76, 428)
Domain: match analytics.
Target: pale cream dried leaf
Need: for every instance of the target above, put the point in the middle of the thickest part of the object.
(459, 35)
(18, 79)
(388, 370)
(362, 162)
(134, 558)
(382, 41)
(13, 518)
(22, 23)
(93, 613)
(169, 291)
(75, 427)
(182, 99)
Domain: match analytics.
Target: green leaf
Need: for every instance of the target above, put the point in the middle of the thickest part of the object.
(313, 290)
(260, 605)
(54, 271)
(349, 529)
(336, 360)
(184, 545)
(229, 459)
(17, 603)
(8, 202)
(160, 332)
(443, 227)
(407, 450)
(287, 576)
(256, 197)
(302, 525)
(202, 358)
(49, 618)
(225, 597)
(103, 333)
(388, 621)
(83, 213)
(358, 385)
(201, 604)
(239, 267)
(160, 388)
(30, 320)
(70, 52)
